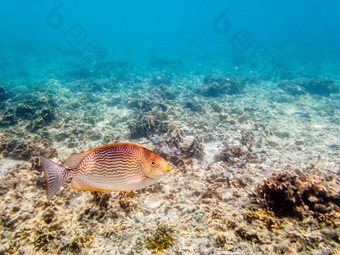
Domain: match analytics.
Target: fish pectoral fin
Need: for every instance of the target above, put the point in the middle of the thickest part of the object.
(136, 180)
(78, 184)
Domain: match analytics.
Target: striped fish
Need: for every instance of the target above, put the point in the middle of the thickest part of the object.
(114, 167)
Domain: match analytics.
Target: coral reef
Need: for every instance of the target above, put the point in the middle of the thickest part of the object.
(80, 242)
(177, 147)
(3, 94)
(323, 87)
(211, 193)
(169, 146)
(267, 217)
(147, 125)
(163, 92)
(235, 154)
(142, 105)
(291, 195)
(7, 118)
(106, 204)
(162, 239)
(193, 148)
(195, 105)
(26, 150)
(291, 88)
(221, 241)
(34, 112)
(248, 139)
(220, 85)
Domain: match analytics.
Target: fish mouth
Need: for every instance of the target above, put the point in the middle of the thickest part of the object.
(167, 168)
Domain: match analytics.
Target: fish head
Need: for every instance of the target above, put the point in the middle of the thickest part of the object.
(156, 166)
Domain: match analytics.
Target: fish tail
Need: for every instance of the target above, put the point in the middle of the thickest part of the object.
(55, 176)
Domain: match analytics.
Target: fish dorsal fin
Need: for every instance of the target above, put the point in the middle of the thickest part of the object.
(73, 160)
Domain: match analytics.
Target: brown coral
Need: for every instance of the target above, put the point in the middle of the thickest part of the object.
(211, 193)
(232, 154)
(27, 149)
(291, 195)
(220, 85)
(196, 148)
(147, 125)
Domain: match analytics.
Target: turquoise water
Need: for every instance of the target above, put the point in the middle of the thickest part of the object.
(38, 36)
(229, 93)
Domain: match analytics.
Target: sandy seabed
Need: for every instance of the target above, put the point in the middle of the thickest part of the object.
(223, 136)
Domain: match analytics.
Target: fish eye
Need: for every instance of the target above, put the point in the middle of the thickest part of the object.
(153, 163)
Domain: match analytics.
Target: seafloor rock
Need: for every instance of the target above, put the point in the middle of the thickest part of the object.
(34, 111)
(323, 87)
(26, 149)
(106, 204)
(180, 149)
(25, 111)
(163, 92)
(169, 152)
(100, 86)
(210, 194)
(147, 125)
(169, 145)
(220, 85)
(162, 239)
(292, 88)
(195, 148)
(161, 79)
(156, 101)
(195, 105)
(234, 154)
(28, 220)
(248, 139)
(94, 135)
(217, 174)
(114, 100)
(3, 94)
(141, 104)
(153, 201)
(46, 116)
(7, 118)
(217, 107)
(299, 195)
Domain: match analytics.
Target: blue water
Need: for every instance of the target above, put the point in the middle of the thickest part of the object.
(293, 34)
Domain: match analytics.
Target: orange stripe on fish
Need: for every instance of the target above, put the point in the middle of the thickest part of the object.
(114, 167)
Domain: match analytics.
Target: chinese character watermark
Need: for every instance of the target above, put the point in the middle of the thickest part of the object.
(260, 58)
(94, 52)
(242, 40)
(256, 56)
(76, 36)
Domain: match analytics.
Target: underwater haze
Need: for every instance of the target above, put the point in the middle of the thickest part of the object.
(240, 99)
